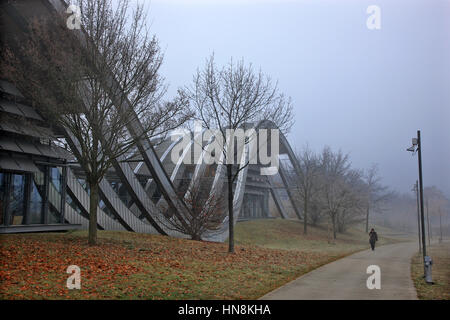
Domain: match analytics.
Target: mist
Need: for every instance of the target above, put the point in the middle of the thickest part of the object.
(366, 92)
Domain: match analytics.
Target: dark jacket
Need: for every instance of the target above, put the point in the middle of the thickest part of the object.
(373, 236)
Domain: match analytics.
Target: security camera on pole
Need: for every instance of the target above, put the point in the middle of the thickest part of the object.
(417, 146)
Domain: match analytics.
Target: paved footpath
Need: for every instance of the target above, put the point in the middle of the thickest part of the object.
(346, 278)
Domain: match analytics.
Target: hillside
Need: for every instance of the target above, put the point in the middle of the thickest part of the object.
(288, 234)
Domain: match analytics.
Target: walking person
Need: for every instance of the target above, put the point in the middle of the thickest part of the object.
(373, 237)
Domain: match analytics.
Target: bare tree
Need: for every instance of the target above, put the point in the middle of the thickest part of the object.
(352, 204)
(315, 210)
(231, 98)
(325, 184)
(436, 204)
(306, 183)
(334, 194)
(204, 215)
(80, 79)
(376, 194)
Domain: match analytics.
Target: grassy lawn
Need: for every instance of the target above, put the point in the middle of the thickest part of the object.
(440, 290)
(128, 265)
(288, 234)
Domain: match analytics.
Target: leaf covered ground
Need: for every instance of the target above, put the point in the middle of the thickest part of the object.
(127, 265)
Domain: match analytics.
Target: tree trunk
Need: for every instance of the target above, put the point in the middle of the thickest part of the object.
(93, 203)
(230, 209)
(328, 231)
(305, 216)
(333, 219)
(341, 226)
(196, 237)
(340, 219)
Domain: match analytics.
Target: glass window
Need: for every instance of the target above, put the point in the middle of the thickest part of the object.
(54, 216)
(55, 177)
(36, 205)
(73, 204)
(24, 194)
(38, 178)
(106, 210)
(84, 184)
(54, 191)
(54, 195)
(123, 194)
(16, 200)
(2, 197)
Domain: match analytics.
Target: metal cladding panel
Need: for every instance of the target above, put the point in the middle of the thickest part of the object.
(10, 107)
(29, 112)
(37, 131)
(277, 200)
(200, 166)
(46, 150)
(19, 109)
(28, 147)
(222, 234)
(82, 196)
(9, 144)
(158, 173)
(285, 144)
(24, 128)
(10, 127)
(138, 193)
(74, 217)
(8, 164)
(53, 151)
(290, 195)
(114, 203)
(17, 164)
(179, 167)
(27, 165)
(165, 148)
(9, 88)
(118, 206)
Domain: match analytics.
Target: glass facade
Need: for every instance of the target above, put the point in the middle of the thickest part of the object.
(2, 197)
(55, 192)
(125, 197)
(36, 203)
(32, 197)
(254, 206)
(17, 199)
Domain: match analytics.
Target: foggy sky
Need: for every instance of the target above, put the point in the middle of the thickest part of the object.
(363, 91)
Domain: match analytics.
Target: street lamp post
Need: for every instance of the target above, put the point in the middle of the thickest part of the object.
(416, 190)
(422, 216)
(426, 259)
(428, 226)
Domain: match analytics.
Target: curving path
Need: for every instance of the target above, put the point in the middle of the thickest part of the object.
(345, 279)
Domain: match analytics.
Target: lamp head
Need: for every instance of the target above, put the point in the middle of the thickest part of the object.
(411, 149)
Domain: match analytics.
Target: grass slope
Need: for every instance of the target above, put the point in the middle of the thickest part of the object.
(288, 234)
(269, 253)
(440, 290)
